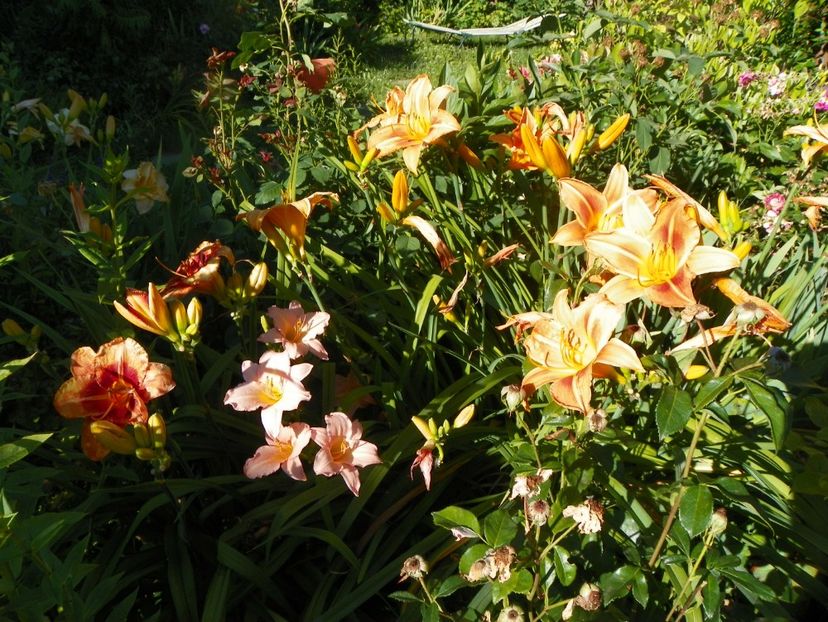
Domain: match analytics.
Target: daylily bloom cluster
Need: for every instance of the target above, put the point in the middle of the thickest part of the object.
(435, 438)
(274, 385)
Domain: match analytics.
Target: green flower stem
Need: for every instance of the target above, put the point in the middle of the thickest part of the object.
(431, 599)
(708, 540)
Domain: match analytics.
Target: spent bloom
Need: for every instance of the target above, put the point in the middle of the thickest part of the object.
(589, 516)
(281, 452)
(199, 271)
(414, 567)
(147, 184)
(296, 330)
(112, 384)
(68, 129)
(274, 385)
(342, 450)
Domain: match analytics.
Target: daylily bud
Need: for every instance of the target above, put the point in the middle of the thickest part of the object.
(575, 148)
(368, 158)
(742, 249)
(28, 134)
(696, 371)
(356, 152)
(12, 328)
(609, 135)
(399, 192)
(148, 311)
(469, 156)
(532, 148)
(142, 435)
(432, 427)
(113, 437)
(464, 416)
(102, 100)
(110, 127)
(158, 431)
(78, 104)
(180, 315)
(36, 332)
(351, 166)
(45, 111)
(5, 151)
(423, 427)
(555, 158)
(386, 213)
(145, 453)
(194, 312)
(257, 279)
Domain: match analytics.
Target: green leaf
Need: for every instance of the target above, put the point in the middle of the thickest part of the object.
(499, 528)
(643, 135)
(673, 411)
(710, 390)
(772, 403)
(619, 583)
(564, 570)
(405, 597)
(519, 582)
(269, 192)
(429, 612)
(640, 589)
(749, 584)
(696, 509)
(661, 162)
(20, 448)
(592, 27)
(471, 555)
(215, 604)
(454, 516)
(449, 586)
(711, 597)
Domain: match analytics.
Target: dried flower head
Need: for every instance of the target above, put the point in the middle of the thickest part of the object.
(588, 516)
(414, 568)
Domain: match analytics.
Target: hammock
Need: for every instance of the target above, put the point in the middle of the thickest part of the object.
(516, 28)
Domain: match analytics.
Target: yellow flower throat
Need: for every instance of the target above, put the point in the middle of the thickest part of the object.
(659, 267)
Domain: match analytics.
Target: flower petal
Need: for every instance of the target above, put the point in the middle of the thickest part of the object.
(619, 354)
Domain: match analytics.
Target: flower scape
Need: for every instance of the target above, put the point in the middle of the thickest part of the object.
(531, 329)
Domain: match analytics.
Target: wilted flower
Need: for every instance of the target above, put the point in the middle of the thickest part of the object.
(512, 613)
(813, 207)
(529, 485)
(113, 384)
(199, 272)
(281, 452)
(425, 460)
(274, 385)
(415, 567)
(68, 129)
(589, 516)
(588, 599)
(342, 450)
(513, 396)
(718, 522)
(147, 184)
(296, 330)
(538, 512)
(775, 201)
(597, 420)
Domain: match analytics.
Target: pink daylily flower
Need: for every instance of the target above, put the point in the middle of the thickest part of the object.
(342, 450)
(281, 452)
(272, 384)
(296, 330)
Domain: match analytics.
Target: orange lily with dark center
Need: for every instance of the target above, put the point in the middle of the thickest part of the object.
(599, 211)
(657, 257)
(288, 221)
(417, 121)
(573, 346)
(113, 384)
(751, 315)
(199, 272)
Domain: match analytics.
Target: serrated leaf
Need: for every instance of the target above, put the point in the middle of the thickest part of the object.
(499, 528)
(563, 569)
(695, 509)
(710, 390)
(619, 583)
(454, 516)
(269, 192)
(673, 411)
(449, 586)
(405, 597)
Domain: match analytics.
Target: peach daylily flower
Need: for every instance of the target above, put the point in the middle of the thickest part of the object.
(574, 346)
(147, 184)
(342, 450)
(812, 210)
(281, 452)
(296, 330)
(694, 209)
(289, 219)
(414, 122)
(657, 256)
(199, 272)
(272, 384)
(818, 136)
(113, 384)
(599, 211)
(751, 315)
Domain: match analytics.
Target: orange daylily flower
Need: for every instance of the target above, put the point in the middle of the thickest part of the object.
(532, 143)
(575, 345)
(113, 384)
(657, 256)
(148, 310)
(812, 210)
(695, 209)
(412, 120)
(199, 272)
(290, 219)
(751, 315)
(599, 211)
(818, 135)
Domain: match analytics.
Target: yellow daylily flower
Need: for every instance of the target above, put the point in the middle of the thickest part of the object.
(412, 120)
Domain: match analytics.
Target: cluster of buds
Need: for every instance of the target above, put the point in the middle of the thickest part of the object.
(170, 320)
(435, 436)
(26, 339)
(147, 441)
(729, 217)
(237, 291)
(360, 161)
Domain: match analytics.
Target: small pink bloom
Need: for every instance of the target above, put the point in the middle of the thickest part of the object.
(297, 330)
(775, 201)
(524, 71)
(272, 385)
(281, 452)
(777, 84)
(342, 450)
(424, 460)
(746, 77)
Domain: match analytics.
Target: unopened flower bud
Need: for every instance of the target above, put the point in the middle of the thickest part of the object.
(158, 431)
(414, 567)
(145, 453)
(464, 417)
(424, 428)
(194, 312)
(141, 433)
(694, 372)
(110, 127)
(12, 328)
(609, 135)
(742, 249)
(257, 279)
(368, 158)
(179, 313)
(113, 437)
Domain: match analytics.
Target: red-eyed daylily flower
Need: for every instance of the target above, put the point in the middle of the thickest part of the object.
(695, 210)
(751, 316)
(148, 311)
(342, 450)
(113, 384)
(281, 452)
(316, 78)
(599, 211)
(574, 346)
(657, 257)
(272, 384)
(414, 122)
(296, 330)
(147, 184)
(199, 272)
(818, 136)
(288, 221)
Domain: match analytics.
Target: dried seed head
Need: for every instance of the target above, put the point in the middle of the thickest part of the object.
(414, 568)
